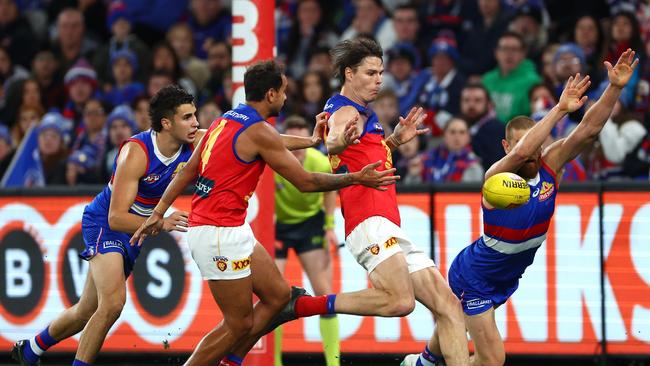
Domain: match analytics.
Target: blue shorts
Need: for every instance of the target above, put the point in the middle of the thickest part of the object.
(478, 295)
(100, 239)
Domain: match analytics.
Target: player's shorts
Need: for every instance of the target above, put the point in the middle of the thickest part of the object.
(478, 295)
(302, 237)
(100, 239)
(222, 253)
(376, 239)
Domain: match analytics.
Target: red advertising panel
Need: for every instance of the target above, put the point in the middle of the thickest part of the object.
(556, 310)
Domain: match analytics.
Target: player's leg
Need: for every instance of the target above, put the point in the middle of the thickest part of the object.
(450, 342)
(107, 271)
(318, 266)
(70, 322)
(281, 249)
(488, 346)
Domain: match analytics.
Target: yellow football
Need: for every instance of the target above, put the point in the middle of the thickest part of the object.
(506, 190)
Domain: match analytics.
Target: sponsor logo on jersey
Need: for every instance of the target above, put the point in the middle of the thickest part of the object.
(536, 193)
(236, 115)
(221, 262)
(178, 168)
(373, 249)
(378, 126)
(203, 187)
(328, 106)
(241, 264)
(113, 244)
(477, 303)
(151, 178)
(547, 191)
(390, 242)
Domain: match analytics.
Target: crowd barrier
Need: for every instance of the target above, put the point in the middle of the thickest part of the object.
(587, 293)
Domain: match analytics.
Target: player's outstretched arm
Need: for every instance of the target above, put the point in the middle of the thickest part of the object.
(407, 128)
(270, 148)
(178, 220)
(571, 100)
(344, 130)
(562, 151)
(292, 142)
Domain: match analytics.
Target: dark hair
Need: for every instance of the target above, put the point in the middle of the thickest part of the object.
(635, 43)
(295, 121)
(351, 52)
(480, 87)
(260, 78)
(511, 34)
(164, 104)
(406, 6)
(177, 72)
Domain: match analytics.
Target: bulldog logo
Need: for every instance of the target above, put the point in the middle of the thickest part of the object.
(373, 249)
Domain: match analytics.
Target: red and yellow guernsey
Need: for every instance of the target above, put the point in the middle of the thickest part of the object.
(359, 202)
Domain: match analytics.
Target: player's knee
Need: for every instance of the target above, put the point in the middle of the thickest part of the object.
(84, 313)
(493, 358)
(241, 327)
(112, 306)
(401, 307)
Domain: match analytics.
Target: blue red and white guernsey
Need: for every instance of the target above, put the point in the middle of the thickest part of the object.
(486, 273)
(226, 181)
(98, 237)
(359, 202)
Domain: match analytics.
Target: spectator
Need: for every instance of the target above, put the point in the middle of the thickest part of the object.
(124, 64)
(370, 19)
(208, 113)
(28, 116)
(158, 80)
(510, 82)
(81, 83)
(440, 94)
(320, 60)
(181, 39)
(165, 59)
(568, 61)
(453, 161)
(81, 167)
(9, 73)
(588, 35)
(309, 30)
(547, 65)
(313, 92)
(71, 42)
(119, 22)
(406, 26)
(52, 149)
(486, 131)
(16, 34)
(529, 24)
(210, 22)
(140, 107)
(402, 77)
(120, 126)
(483, 36)
(93, 12)
(386, 107)
(44, 70)
(410, 172)
(542, 99)
(20, 93)
(219, 62)
(6, 150)
(94, 119)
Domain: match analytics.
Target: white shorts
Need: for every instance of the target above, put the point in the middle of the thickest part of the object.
(222, 253)
(376, 239)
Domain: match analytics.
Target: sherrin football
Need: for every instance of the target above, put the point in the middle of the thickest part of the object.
(506, 190)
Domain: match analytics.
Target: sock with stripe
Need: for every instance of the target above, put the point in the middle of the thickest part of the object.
(231, 360)
(315, 305)
(38, 345)
(79, 363)
(329, 332)
(427, 358)
(277, 346)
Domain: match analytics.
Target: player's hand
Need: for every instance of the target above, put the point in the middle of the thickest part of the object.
(152, 226)
(370, 177)
(351, 131)
(407, 128)
(620, 73)
(177, 221)
(319, 128)
(572, 97)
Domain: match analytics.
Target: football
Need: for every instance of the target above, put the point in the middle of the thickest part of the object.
(506, 190)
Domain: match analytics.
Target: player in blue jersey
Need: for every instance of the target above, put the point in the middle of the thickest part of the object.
(486, 273)
(142, 170)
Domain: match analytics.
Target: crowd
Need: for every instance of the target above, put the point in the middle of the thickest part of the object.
(78, 74)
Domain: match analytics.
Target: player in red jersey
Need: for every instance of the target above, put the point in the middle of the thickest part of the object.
(399, 272)
(229, 162)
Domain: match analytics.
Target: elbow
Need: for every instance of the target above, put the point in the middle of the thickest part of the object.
(113, 221)
(521, 155)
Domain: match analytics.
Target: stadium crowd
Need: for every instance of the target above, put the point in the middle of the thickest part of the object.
(77, 75)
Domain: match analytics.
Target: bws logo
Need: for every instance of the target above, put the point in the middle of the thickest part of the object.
(178, 169)
(221, 262)
(241, 264)
(547, 191)
(390, 242)
(151, 178)
(373, 249)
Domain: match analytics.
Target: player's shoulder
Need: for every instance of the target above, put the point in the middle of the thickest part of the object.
(345, 113)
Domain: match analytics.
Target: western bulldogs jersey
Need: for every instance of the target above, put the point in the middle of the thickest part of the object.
(359, 202)
(151, 186)
(511, 237)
